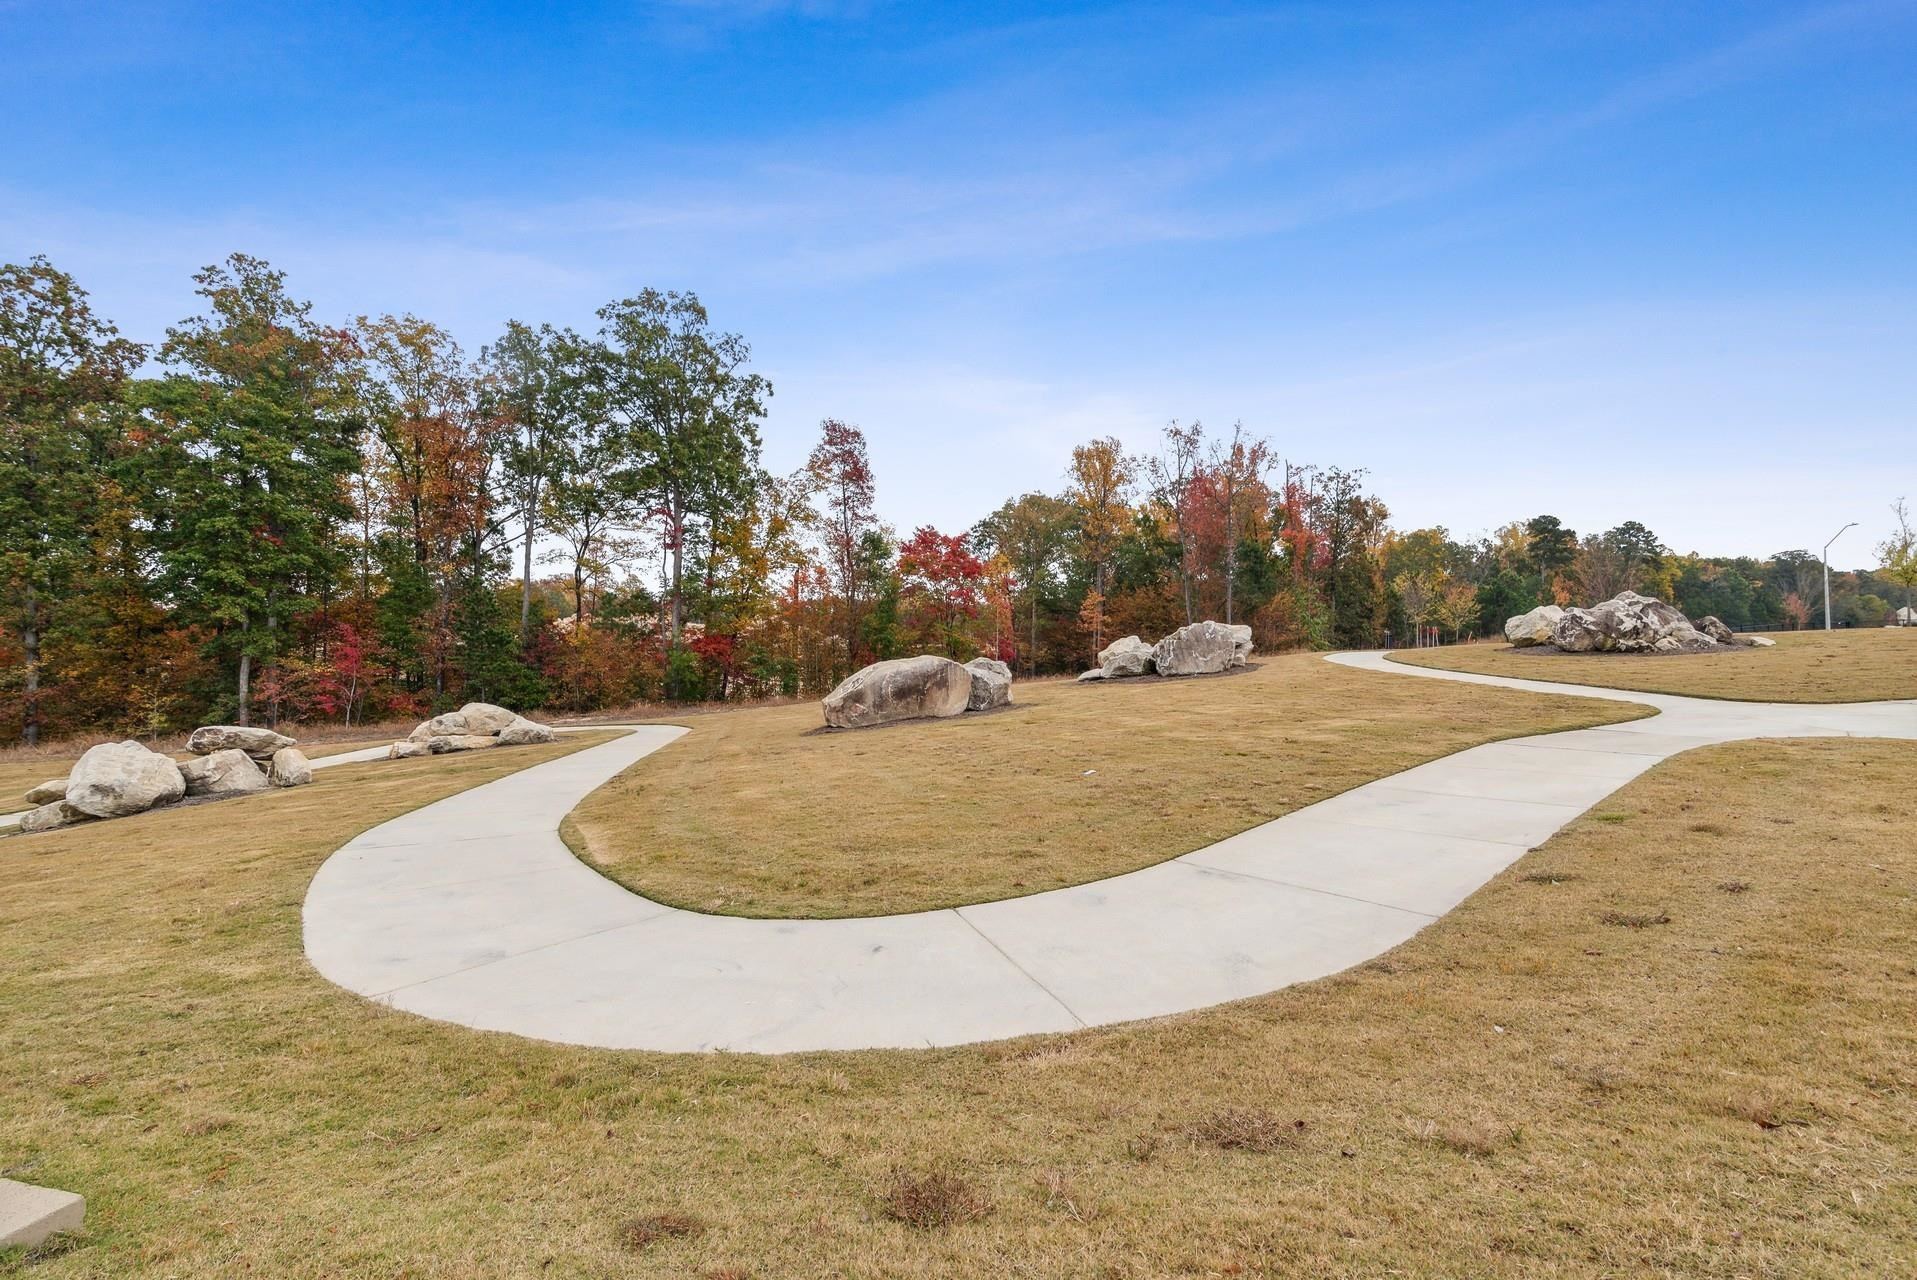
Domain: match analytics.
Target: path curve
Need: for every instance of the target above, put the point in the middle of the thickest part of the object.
(472, 910)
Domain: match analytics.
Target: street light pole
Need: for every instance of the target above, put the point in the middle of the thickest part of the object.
(1834, 537)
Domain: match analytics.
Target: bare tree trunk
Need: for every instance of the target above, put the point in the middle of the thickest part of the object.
(30, 646)
(525, 587)
(246, 686)
(678, 528)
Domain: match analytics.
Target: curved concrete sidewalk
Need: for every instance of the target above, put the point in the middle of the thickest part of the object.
(472, 910)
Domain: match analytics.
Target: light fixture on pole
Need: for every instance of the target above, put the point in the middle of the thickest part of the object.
(1834, 537)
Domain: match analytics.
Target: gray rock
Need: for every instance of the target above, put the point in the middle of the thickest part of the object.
(407, 749)
(523, 732)
(1240, 642)
(1759, 642)
(51, 817)
(1535, 627)
(223, 773)
(118, 778)
(291, 768)
(1096, 673)
(1713, 626)
(258, 743)
(441, 726)
(446, 742)
(484, 717)
(991, 684)
(1627, 623)
(1128, 656)
(900, 689)
(1203, 648)
(47, 792)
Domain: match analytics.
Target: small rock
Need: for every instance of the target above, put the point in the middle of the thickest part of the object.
(991, 684)
(291, 768)
(1096, 673)
(258, 743)
(223, 773)
(523, 732)
(1126, 656)
(406, 749)
(1534, 627)
(51, 817)
(1760, 642)
(47, 792)
(1713, 626)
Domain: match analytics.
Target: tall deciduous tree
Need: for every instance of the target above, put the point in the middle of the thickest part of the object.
(530, 391)
(1101, 479)
(62, 370)
(1174, 473)
(1899, 555)
(841, 474)
(688, 411)
(1238, 470)
(251, 435)
(1033, 533)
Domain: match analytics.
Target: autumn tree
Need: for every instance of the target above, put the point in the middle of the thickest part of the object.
(841, 474)
(1034, 533)
(687, 414)
(1899, 554)
(1173, 472)
(941, 590)
(62, 370)
(1101, 478)
(529, 394)
(1238, 468)
(247, 441)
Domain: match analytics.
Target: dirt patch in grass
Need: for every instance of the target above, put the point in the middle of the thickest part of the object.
(1245, 1129)
(753, 814)
(1805, 666)
(151, 977)
(930, 1200)
(641, 1233)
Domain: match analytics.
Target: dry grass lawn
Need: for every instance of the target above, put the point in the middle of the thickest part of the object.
(760, 813)
(1806, 666)
(1720, 1083)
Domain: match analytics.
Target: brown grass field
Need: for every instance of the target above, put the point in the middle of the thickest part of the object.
(763, 813)
(1676, 1040)
(1806, 666)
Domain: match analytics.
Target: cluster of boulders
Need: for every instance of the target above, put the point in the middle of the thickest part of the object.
(115, 779)
(475, 725)
(1203, 648)
(927, 686)
(1626, 623)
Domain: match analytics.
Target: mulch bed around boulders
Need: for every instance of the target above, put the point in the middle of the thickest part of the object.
(1552, 651)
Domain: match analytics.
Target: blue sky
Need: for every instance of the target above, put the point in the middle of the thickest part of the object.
(1619, 261)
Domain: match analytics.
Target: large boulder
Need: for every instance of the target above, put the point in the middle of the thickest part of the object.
(1628, 623)
(224, 773)
(51, 817)
(451, 724)
(991, 684)
(118, 778)
(1203, 648)
(47, 792)
(522, 732)
(484, 717)
(290, 768)
(1127, 656)
(1535, 627)
(258, 743)
(446, 742)
(899, 689)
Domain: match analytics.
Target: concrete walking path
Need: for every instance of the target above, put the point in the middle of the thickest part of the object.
(472, 910)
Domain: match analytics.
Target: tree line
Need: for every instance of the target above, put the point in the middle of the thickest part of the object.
(264, 517)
